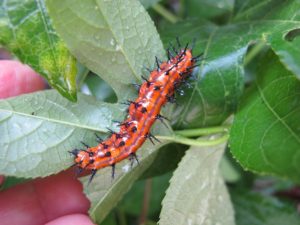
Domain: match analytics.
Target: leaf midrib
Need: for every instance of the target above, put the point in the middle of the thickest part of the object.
(117, 40)
(55, 121)
(48, 33)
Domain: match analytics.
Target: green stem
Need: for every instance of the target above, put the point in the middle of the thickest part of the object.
(202, 131)
(254, 51)
(146, 200)
(121, 217)
(200, 143)
(182, 8)
(165, 13)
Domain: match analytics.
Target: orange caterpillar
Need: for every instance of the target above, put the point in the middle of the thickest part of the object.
(142, 113)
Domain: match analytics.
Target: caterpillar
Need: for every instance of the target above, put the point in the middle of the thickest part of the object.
(153, 93)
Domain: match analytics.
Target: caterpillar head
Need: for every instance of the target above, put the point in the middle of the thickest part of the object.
(82, 157)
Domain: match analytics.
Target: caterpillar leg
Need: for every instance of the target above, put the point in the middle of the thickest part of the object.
(133, 157)
(94, 171)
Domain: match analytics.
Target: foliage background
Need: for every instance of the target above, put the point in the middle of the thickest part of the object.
(250, 69)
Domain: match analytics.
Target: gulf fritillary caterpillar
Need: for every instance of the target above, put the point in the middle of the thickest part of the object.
(142, 113)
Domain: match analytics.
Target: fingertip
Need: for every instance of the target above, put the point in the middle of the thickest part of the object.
(75, 219)
(17, 78)
(61, 194)
(41, 200)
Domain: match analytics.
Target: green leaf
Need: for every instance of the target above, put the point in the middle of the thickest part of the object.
(219, 78)
(206, 9)
(148, 3)
(219, 84)
(254, 10)
(197, 193)
(287, 50)
(242, 6)
(283, 38)
(255, 209)
(113, 39)
(26, 31)
(265, 136)
(37, 131)
(12, 181)
(111, 219)
(228, 171)
(156, 187)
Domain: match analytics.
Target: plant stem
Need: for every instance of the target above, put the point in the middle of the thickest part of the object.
(200, 143)
(202, 131)
(146, 199)
(182, 8)
(254, 51)
(165, 13)
(121, 217)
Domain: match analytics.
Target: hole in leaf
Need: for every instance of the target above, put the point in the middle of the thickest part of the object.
(292, 34)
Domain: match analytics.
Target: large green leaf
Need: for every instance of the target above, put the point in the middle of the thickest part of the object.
(37, 131)
(26, 31)
(206, 9)
(197, 193)
(255, 209)
(114, 39)
(265, 136)
(219, 82)
(283, 37)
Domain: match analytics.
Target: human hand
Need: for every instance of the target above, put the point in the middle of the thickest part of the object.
(54, 200)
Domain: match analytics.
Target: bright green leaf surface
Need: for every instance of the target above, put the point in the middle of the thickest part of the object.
(265, 136)
(197, 193)
(255, 209)
(206, 9)
(37, 131)
(113, 39)
(281, 22)
(219, 82)
(26, 31)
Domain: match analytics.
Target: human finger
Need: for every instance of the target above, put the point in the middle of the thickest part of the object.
(17, 78)
(75, 219)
